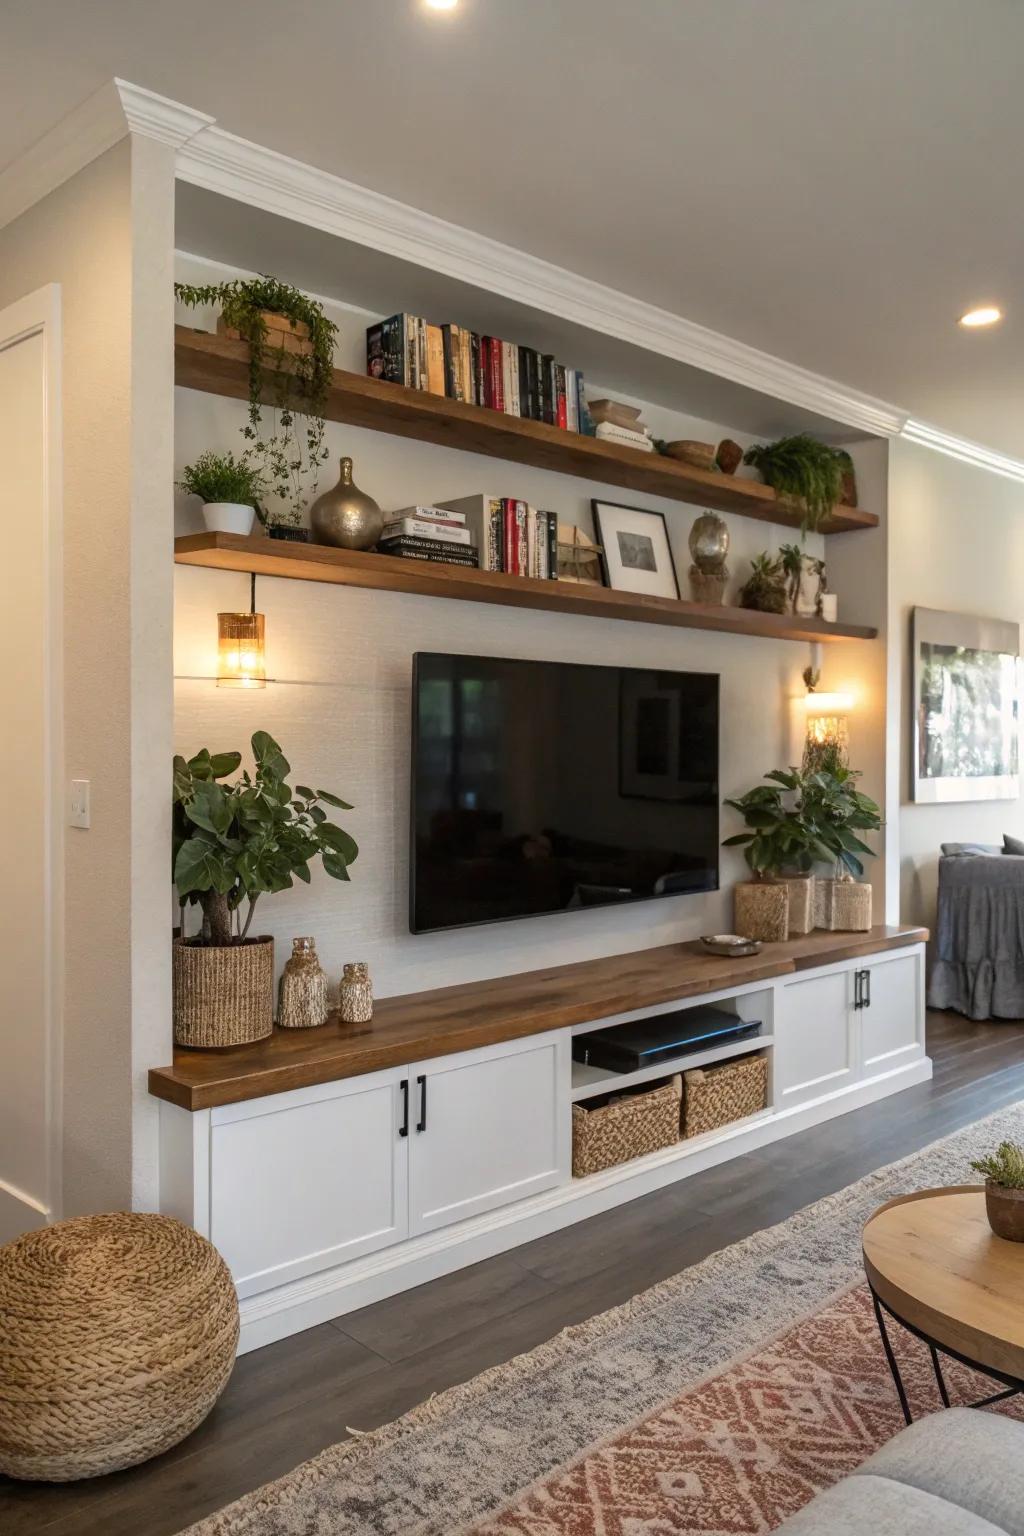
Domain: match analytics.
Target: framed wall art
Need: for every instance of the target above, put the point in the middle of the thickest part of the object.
(966, 699)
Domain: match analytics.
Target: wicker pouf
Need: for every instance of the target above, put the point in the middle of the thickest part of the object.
(117, 1336)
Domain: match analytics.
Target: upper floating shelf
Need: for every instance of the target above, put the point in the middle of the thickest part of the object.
(220, 366)
(346, 567)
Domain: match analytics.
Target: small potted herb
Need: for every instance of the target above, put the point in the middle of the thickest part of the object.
(229, 489)
(1004, 1190)
(233, 842)
(765, 588)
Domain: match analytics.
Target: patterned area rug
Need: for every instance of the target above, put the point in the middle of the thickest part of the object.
(715, 1403)
(745, 1450)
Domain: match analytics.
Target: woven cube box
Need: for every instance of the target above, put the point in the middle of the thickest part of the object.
(842, 905)
(761, 910)
(716, 1096)
(616, 1133)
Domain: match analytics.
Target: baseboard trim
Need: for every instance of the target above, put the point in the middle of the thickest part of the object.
(332, 1293)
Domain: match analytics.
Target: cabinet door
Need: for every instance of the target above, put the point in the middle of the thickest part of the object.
(487, 1128)
(305, 1180)
(892, 1015)
(815, 1048)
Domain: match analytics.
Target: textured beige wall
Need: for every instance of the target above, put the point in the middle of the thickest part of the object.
(957, 542)
(81, 236)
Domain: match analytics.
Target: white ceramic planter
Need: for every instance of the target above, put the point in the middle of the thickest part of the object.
(228, 517)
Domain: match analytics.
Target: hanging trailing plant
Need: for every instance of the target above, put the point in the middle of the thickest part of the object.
(291, 383)
(804, 470)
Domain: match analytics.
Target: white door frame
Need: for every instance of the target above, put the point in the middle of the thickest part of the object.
(39, 314)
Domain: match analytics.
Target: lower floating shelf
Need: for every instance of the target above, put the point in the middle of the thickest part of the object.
(388, 573)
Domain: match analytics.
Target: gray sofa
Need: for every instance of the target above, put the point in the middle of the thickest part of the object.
(958, 1473)
(977, 964)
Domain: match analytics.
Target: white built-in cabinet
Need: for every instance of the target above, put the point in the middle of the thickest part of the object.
(322, 1199)
(846, 1024)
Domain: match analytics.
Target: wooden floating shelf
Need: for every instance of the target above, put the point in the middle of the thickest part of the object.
(390, 573)
(220, 366)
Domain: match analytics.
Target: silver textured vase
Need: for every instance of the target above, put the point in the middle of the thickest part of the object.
(345, 516)
(709, 543)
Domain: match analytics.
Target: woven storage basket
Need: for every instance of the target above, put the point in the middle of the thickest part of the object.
(715, 1096)
(616, 1133)
(761, 910)
(117, 1335)
(223, 994)
(801, 903)
(842, 905)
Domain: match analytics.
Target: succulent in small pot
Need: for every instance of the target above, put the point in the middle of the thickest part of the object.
(765, 588)
(232, 843)
(229, 489)
(1004, 1190)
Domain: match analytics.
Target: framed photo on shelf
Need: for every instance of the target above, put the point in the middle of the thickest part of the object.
(637, 556)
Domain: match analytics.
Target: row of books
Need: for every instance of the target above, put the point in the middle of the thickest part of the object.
(493, 533)
(482, 370)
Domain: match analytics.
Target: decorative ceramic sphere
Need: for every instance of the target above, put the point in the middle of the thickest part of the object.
(709, 542)
(345, 516)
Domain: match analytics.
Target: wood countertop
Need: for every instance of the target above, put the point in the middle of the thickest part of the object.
(421, 1025)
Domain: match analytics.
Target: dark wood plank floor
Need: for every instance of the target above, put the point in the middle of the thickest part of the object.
(288, 1401)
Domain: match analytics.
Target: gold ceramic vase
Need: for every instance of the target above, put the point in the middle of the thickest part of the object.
(345, 516)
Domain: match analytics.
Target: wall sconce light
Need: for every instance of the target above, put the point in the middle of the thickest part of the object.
(827, 736)
(241, 650)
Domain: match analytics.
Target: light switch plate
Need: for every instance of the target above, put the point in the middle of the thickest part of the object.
(78, 815)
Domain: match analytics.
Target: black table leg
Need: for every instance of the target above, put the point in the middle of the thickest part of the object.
(901, 1391)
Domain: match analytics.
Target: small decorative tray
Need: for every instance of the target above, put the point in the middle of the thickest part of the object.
(731, 944)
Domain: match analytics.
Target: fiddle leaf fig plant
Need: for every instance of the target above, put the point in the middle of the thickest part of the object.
(233, 842)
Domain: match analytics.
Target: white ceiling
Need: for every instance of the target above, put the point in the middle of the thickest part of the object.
(833, 182)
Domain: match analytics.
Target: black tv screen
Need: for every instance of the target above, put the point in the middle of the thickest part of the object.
(542, 787)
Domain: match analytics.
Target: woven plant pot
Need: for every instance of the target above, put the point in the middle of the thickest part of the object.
(117, 1336)
(223, 994)
(761, 910)
(616, 1133)
(801, 903)
(842, 906)
(716, 1096)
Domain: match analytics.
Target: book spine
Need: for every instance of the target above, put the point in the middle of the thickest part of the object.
(547, 363)
(497, 392)
(437, 557)
(586, 420)
(532, 543)
(522, 550)
(421, 353)
(465, 366)
(523, 354)
(476, 343)
(512, 397)
(429, 515)
(553, 546)
(421, 541)
(414, 525)
(495, 536)
(561, 417)
(572, 415)
(435, 361)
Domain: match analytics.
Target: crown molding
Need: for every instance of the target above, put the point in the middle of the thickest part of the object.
(157, 117)
(962, 448)
(94, 126)
(220, 162)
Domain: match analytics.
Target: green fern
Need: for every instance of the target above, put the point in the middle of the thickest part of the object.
(1005, 1167)
(809, 472)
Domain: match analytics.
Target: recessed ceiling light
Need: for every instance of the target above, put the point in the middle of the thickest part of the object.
(985, 314)
(441, 5)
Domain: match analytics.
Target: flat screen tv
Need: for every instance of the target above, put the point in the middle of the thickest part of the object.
(543, 787)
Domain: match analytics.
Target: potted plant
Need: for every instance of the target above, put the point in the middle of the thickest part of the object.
(837, 811)
(232, 842)
(1004, 1190)
(803, 471)
(781, 848)
(229, 489)
(805, 578)
(291, 362)
(765, 587)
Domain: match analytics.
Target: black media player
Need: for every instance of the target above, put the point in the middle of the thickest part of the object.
(663, 1038)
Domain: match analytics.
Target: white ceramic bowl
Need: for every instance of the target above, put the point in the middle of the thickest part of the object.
(228, 517)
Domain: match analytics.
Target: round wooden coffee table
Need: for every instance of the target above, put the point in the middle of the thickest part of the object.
(935, 1265)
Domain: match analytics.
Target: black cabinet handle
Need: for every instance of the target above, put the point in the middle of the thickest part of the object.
(867, 989)
(858, 986)
(403, 1129)
(421, 1123)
